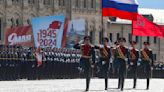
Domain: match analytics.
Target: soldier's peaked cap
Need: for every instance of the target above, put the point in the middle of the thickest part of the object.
(105, 38)
(146, 43)
(133, 42)
(122, 39)
(86, 37)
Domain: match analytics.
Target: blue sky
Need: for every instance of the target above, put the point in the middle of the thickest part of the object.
(157, 4)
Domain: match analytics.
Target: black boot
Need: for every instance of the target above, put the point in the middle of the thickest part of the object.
(134, 86)
(148, 83)
(106, 83)
(87, 84)
(119, 83)
(122, 84)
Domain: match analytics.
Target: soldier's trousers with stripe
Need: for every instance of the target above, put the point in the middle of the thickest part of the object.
(147, 70)
(86, 65)
(122, 72)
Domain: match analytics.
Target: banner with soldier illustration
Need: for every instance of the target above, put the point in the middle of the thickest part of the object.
(48, 31)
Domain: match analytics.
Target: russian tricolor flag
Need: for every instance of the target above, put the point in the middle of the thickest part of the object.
(124, 9)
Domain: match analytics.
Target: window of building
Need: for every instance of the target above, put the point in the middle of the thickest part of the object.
(155, 56)
(77, 3)
(1, 1)
(12, 22)
(111, 37)
(118, 36)
(91, 35)
(63, 2)
(18, 22)
(85, 3)
(28, 22)
(47, 2)
(148, 39)
(155, 40)
(16, 1)
(130, 37)
(137, 39)
(93, 3)
(59, 1)
(31, 1)
(100, 37)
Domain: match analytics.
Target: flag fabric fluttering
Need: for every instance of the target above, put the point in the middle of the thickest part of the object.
(144, 27)
(124, 9)
(38, 54)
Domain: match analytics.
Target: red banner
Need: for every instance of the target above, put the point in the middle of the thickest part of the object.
(144, 27)
(19, 36)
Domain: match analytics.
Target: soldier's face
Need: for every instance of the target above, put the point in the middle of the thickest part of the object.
(87, 41)
(105, 42)
(121, 42)
(133, 45)
(146, 46)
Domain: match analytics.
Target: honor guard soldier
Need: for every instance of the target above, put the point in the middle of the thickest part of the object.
(121, 54)
(87, 52)
(115, 63)
(105, 54)
(147, 61)
(133, 58)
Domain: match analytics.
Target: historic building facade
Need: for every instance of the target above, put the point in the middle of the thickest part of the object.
(19, 12)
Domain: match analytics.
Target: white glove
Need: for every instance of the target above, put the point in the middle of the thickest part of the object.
(131, 63)
(126, 59)
(101, 46)
(139, 59)
(81, 41)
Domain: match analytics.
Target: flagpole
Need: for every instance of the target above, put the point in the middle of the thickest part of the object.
(159, 46)
(102, 24)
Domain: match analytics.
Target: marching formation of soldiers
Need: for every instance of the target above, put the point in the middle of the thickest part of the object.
(120, 56)
(17, 62)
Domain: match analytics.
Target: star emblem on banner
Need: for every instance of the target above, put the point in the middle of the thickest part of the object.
(140, 22)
